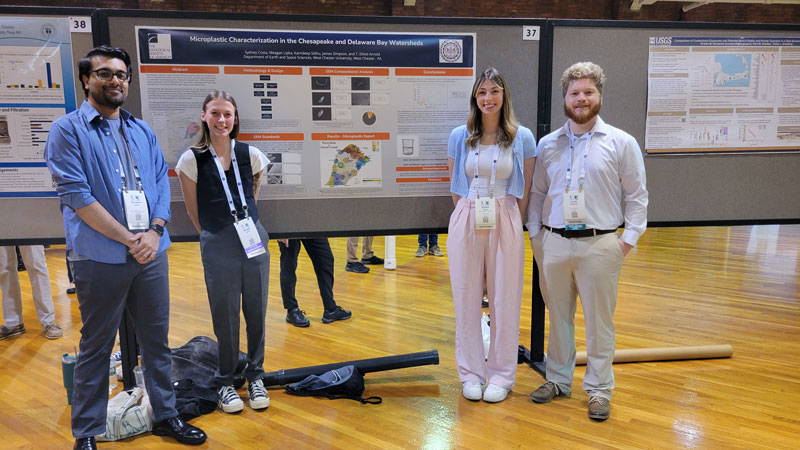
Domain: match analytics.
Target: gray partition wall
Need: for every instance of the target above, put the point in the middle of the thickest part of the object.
(38, 220)
(498, 43)
(684, 189)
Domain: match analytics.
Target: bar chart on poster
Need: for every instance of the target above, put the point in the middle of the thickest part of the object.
(338, 114)
(35, 67)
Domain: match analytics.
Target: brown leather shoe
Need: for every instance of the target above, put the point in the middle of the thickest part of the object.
(599, 408)
(546, 392)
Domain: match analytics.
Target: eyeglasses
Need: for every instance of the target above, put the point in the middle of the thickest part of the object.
(107, 75)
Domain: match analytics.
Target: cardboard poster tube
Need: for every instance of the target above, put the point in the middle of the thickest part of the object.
(666, 353)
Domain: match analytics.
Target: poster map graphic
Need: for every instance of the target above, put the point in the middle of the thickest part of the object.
(36, 88)
(712, 94)
(338, 114)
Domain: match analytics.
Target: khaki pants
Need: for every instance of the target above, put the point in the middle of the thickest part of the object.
(588, 267)
(366, 249)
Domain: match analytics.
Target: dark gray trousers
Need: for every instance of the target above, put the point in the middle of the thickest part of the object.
(236, 283)
(105, 291)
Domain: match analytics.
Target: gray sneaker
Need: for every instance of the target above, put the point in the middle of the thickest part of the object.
(435, 251)
(546, 392)
(421, 251)
(52, 330)
(599, 408)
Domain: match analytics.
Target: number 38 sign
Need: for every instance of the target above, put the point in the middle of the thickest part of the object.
(80, 24)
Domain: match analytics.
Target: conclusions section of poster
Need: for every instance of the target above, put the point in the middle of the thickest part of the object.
(36, 88)
(338, 114)
(712, 94)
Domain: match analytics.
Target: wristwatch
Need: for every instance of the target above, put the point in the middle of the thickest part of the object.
(157, 228)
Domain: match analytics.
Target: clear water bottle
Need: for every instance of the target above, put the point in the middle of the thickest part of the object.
(112, 376)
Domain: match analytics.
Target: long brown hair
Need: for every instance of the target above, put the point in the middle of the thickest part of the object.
(508, 120)
(205, 138)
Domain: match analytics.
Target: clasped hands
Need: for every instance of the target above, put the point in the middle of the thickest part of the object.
(144, 246)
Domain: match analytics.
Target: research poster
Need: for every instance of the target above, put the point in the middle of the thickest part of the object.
(719, 94)
(338, 114)
(36, 88)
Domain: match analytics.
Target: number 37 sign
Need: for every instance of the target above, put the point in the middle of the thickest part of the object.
(530, 32)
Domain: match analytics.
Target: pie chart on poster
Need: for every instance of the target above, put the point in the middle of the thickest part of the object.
(369, 118)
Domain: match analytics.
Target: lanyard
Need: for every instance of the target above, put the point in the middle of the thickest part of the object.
(495, 156)
(582, 176)
(131, 160)
(224, 179)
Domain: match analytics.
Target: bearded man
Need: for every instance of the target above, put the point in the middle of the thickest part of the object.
(584, 172)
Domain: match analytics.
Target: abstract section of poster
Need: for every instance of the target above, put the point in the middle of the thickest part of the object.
(338, 114)
(36, 88)
(713, 94)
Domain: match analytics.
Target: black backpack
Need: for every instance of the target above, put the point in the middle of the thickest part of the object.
(344, 382)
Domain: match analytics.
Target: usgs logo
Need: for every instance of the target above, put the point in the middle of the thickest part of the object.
(661, 40)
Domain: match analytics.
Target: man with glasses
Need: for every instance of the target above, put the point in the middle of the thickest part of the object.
(112, 182)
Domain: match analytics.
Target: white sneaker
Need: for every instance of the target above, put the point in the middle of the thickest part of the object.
(229, 400)
(472, 390)
(259, 399)
(494, 393)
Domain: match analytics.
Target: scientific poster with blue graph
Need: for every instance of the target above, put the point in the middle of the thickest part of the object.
(723, 94)
(36, 88)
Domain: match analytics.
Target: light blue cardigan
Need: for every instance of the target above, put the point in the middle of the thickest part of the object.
(524, 147)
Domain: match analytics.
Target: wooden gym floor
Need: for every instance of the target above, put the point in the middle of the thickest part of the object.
(679, 287)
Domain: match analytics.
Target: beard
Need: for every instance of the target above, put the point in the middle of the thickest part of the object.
(105, 98)
(584, 117)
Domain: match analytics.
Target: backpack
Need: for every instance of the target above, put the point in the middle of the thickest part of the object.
(344, 382)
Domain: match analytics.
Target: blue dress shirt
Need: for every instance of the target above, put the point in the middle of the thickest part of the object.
(83, 159)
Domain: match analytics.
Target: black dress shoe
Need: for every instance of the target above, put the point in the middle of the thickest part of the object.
(297, 318)
(85, 444)
(180, 430)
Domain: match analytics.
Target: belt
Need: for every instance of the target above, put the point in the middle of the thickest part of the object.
(570, 234)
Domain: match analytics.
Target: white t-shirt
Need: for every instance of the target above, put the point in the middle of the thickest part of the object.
(479, 187)
(187, 164)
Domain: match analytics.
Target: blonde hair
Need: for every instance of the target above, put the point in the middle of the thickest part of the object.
(508, 120)
(583, 70)
(205, 139)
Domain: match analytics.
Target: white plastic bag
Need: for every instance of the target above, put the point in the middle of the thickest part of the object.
(487, 334)
(128, 415)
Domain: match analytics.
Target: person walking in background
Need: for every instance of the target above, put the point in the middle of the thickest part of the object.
(220, 179)
(491, 160)
(36, 265)
(587, 171)
(428, 244)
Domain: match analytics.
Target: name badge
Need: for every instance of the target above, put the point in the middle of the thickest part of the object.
(485, 215)
(574, 210)
(136, 212)
(248, 235)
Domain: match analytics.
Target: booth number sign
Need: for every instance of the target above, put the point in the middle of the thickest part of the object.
(80, 24)
(530, 32)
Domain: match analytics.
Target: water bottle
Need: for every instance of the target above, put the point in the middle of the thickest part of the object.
(112, 376)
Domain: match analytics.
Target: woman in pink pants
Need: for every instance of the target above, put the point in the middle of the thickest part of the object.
(490, 160)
